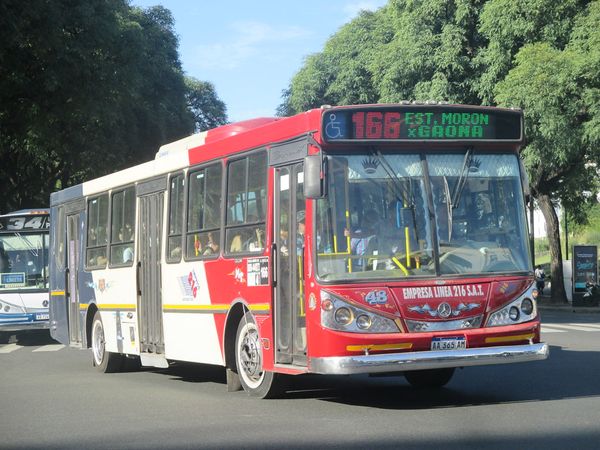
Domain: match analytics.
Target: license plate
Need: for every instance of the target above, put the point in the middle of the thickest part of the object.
(449, 343)
(42, 316)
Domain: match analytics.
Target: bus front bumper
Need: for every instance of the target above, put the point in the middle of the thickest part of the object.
(425, 360)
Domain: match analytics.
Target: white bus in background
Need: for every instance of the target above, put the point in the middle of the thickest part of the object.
(23, 271)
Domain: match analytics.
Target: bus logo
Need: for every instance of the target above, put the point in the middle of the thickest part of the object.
(444, 310)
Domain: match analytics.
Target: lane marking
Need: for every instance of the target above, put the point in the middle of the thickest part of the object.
(589, 325)
(49, 348)
(573, 327)
(9, 348)
(546, 329)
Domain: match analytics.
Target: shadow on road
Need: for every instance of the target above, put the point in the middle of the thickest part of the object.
(32, 338)
(566, 374)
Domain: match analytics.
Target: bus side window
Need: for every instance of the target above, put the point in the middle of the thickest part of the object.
(246, 204)
(97, 222)
(204, 212)
(175, 218)
(122, 225)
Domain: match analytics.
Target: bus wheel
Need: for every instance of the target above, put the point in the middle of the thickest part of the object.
(104, 361)
(248, 357)
(434, 378)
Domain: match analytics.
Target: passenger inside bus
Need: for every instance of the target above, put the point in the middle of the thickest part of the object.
(126, 235)
(212, 246)
(363, 238)
(4, 261)
(300, 218)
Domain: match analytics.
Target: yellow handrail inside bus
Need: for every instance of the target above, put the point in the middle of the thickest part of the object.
(399, 264)
(407, 237)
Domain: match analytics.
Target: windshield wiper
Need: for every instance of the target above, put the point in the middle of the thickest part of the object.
(452, 201)
(462, 180)
(449, 207)
(402, 194)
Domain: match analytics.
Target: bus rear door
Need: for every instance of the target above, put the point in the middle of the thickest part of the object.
(149, 306)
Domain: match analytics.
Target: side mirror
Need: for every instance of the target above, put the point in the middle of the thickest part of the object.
(314, 176)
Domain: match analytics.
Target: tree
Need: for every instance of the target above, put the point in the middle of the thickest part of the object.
(558, 90)
(202, 101)
(430, 54)
(341, 73)
(541, 55)
(86, 88)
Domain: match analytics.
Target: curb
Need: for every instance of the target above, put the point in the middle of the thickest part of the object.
(570, 309)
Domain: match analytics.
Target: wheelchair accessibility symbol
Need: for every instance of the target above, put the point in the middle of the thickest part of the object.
(334, 129)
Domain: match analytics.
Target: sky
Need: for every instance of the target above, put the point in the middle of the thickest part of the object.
(250, 49)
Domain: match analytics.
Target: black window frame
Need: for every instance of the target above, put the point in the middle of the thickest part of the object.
(111, 241)
(89, 247)
(187, 232)
(243, 227)
(183, 218)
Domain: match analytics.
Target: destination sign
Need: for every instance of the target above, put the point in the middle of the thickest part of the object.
(421, 123)
(24, 223)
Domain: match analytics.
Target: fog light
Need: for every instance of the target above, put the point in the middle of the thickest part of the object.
(363, 322)
(513, 313)
(343, 316)
(527, 306)
(326, 305)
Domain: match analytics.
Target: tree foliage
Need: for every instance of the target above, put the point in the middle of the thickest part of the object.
(203, 102)
(540, 55)
(86, 88)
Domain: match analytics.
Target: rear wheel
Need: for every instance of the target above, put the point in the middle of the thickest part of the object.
(434, 378)
(104, 361)
(249, 360)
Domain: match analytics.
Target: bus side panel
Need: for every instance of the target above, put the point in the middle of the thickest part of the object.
(114, 292)
(190, 312)
(59, 321)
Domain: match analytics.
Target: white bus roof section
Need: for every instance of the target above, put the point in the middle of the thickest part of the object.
(179, 149)
(170, 157)
(123, 177)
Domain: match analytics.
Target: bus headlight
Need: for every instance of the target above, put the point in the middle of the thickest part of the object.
(523, 309)
(363, 322)
(338, 314)
(343, 315)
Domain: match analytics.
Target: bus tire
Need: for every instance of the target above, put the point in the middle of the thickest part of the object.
(433, 378)
(104, 361)
(248, 358)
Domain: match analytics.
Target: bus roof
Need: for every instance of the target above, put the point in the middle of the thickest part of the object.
(28, 212)
(225, 141)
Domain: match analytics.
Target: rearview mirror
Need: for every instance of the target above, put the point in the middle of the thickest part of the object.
(314, 176)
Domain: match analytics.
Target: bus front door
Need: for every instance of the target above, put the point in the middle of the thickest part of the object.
(152, 345)
(72, 291)
(289, 209)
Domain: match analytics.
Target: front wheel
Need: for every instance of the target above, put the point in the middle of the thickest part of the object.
(433, 378)
(104, 361)
(249, 360)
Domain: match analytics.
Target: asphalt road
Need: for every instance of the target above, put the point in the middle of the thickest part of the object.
(51, 397)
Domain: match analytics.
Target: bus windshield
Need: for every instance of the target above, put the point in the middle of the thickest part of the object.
(23, 261)
(375, 221)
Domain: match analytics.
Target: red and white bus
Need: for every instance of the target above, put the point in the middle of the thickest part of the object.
(357, 239)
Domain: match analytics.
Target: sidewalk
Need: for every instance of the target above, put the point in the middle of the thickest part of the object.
(545, 304)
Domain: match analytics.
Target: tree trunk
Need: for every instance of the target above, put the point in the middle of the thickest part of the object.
(558, 285)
